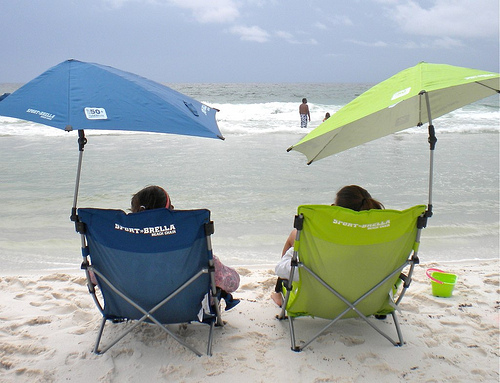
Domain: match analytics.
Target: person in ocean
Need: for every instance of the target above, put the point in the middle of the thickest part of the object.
(305, 116)
(327, 116)
(226, 278)
(352, 197)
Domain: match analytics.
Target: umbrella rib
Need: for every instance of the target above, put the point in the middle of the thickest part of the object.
(324, 146)
(420, 107)
(489, 87)
(68, 127)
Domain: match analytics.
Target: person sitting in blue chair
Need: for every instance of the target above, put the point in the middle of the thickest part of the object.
(227, 279)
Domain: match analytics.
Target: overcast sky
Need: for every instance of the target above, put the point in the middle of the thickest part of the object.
(174, 41)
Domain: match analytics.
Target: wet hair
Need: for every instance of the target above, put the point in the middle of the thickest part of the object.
(354, 197)
(304, 100)
(151, 197)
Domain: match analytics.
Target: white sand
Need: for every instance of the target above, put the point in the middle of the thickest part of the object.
(48, 326)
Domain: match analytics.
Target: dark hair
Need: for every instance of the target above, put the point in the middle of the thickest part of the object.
(151, 197)
(354, 197)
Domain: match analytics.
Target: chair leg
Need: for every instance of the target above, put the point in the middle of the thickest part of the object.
(296, 348)
(210, 337)
(284, 303)
(292, 336)
(282, 314)
(120, 337)
(218, 315)
(99, 335)
(137, 323)
(376, 328)
(398, 328)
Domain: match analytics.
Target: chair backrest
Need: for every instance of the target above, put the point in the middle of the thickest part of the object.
(352, 252)
(147, 256)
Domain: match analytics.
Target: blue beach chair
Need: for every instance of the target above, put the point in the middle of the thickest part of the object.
(155, 266)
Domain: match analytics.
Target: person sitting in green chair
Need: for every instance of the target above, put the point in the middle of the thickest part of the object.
(352, 197)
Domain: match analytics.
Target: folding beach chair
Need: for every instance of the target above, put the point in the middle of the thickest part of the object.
(349, 264)
(155, 266)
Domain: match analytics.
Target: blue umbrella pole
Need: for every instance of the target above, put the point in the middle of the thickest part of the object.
(81, 144)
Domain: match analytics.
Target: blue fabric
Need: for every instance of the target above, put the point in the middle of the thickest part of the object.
(76, 94)
(147, 256)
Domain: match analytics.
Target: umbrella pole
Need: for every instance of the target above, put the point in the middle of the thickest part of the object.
(81, 144)
(432, 142)
(80, 226)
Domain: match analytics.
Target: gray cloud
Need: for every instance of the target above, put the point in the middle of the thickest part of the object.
(253, 33)
(451, 18)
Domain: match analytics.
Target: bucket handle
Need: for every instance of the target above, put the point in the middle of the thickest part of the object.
(432, 278)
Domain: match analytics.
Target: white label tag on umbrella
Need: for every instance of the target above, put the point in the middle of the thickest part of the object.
(95, 114)
(401, 93)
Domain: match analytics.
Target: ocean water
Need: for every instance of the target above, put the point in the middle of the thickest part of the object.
(249, 182)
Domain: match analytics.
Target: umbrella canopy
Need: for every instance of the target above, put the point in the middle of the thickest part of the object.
(410, 98)
(76, 95)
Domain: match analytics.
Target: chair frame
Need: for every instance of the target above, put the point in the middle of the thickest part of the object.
(149, 314)
(406, 278)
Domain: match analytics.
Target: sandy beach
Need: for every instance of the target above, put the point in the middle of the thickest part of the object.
(49, 322)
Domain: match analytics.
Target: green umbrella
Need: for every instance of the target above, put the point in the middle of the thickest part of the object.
(410, 98)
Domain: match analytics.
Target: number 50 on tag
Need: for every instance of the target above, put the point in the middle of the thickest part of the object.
(95, 114)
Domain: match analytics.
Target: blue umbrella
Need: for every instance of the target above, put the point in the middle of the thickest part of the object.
(75, 95)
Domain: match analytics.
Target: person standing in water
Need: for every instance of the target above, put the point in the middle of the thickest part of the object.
(305, 116)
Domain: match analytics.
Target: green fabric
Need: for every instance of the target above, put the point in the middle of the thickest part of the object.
(395, 104)
(352, 252)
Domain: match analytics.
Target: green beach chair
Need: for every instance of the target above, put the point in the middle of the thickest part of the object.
(349, 264)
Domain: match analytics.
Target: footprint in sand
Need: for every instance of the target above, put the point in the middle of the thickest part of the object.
(249, 286)
(21, 349)
(38, 321)
(43, 288)
(243, 271)
(350, 341)
(268, 283)
(491, 281)
(33, 375)
(74, 357)
(365, 356)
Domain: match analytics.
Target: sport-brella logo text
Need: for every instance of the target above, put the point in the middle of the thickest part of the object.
(153, 231)
(44, 115)
(367, 226)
